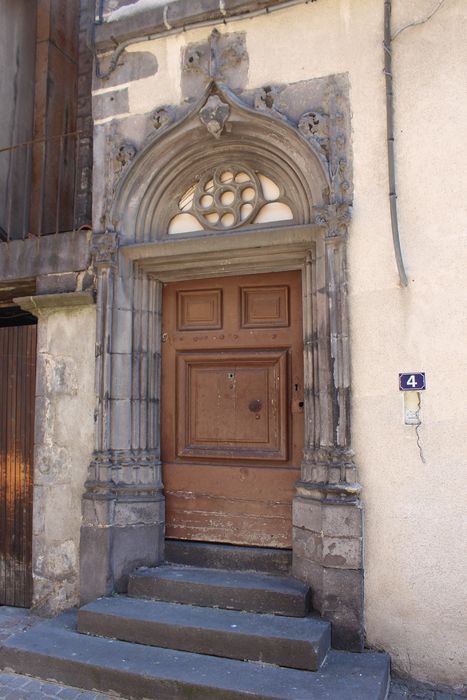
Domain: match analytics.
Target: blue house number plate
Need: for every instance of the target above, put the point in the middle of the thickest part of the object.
(412, 381)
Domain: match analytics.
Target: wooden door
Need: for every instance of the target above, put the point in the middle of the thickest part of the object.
(232, 407)
(17, 399)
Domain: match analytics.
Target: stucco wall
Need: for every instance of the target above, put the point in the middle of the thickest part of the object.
(64, 442)
(415, 520)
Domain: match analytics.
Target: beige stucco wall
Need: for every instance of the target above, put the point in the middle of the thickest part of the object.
(63, 446)
(415, 522)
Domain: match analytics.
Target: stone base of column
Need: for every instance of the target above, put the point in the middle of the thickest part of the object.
(119, 533)
(327, 554)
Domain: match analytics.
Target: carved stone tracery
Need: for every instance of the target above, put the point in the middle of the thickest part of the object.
(230, 196)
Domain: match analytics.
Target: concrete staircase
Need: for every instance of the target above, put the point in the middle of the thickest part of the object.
(200, 632)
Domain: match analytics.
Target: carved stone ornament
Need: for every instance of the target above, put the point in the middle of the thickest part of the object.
(339, 179)
(161, 118)
(335, 217)
(136, 468)
(194, 58)
(104, 248)
(264, 98)
(214, 114)
(314, 126)
(125, 154)
(232, 55)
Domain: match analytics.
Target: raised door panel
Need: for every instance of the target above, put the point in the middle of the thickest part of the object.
(265, 307)
(199, 309)
(232, 406)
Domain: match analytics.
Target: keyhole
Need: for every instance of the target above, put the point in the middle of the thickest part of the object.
(296, 387)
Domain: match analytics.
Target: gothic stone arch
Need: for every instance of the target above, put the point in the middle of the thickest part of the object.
(123, 506)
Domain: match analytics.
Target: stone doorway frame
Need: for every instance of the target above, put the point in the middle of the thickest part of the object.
(123, 505)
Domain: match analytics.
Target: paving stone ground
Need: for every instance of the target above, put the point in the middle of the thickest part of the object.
(16, 687)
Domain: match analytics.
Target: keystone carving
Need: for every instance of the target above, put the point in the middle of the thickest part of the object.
(214, 114)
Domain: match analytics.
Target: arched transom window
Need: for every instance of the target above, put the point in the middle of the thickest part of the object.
(227, 197)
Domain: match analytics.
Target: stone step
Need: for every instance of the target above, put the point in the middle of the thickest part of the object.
(54, 650)
(233, 590)
(229, 556)
(293, 642)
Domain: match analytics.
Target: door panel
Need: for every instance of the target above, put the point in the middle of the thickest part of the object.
(232, 405)
(232, 435)
(17, 398)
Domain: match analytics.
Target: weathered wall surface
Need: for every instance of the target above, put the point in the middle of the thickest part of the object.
(17, 50)
(64, 439)
(414, 509)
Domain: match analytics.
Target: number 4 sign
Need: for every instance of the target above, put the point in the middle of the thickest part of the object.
(412, 381)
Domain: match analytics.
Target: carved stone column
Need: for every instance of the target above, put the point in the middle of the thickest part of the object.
(123, 506)
(327, 514)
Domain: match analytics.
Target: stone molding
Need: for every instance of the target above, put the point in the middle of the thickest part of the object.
(41, 304)
(29, 258)
(175, 16)
(263, 141)
(126, 471)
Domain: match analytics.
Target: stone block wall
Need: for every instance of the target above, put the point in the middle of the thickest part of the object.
(327, 553)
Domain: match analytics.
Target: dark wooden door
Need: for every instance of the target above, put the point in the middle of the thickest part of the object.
(17, 398)
(232, 402)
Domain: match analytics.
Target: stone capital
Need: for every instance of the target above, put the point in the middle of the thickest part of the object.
(104, 247)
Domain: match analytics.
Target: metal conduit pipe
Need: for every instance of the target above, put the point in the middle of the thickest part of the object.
(390, 142)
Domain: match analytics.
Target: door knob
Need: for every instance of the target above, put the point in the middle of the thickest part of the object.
(255, 405)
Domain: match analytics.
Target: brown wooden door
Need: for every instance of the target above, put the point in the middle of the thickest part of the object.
(232, 402)
(17, 397)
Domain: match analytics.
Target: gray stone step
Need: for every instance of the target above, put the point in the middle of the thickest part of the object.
(233, 590)
(53, 650)
(293, 642)
(229, 556)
